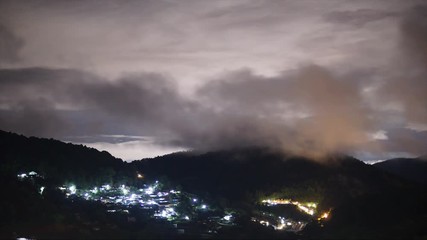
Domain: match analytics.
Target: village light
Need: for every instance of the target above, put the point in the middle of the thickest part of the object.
(149, 190)
(95, 190)
(23, 175)
(72, 189)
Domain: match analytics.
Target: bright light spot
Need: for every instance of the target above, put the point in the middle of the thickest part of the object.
(227, 217)
(166, 213)
(266, 223)
(204, 206)
(152, 202)
(124, 190)
(32, 173)
(106, 187)
(306, 209)
(312, 205)
(324, 215)
(72, 189)
(194, 200)
(140, 176)
(95, 190)
(41, 190)
(187, 218)
(149, 190)
(22, 175)
(132, 197)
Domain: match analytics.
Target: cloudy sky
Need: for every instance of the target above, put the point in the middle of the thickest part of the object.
(144, 78)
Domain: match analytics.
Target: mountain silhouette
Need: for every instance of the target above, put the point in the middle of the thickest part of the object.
(414, 169)
(59, 161)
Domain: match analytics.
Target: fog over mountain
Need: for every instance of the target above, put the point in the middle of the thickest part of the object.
(307, 77)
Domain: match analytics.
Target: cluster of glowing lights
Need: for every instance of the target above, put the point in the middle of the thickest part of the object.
(309, 207)
(28, 175)
(124, 189)
(282, 224)
(119, 198)
(149, 197)
(125, 196)
(167, 213)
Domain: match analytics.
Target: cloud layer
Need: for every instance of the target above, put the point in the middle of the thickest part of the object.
(310, 79)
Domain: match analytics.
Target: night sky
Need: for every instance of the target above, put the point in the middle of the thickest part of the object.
(145, 78)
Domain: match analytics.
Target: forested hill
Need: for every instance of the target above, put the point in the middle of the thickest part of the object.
(58, 160)
(414, 169)
(257, 172)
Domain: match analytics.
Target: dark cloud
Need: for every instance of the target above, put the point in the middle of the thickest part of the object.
(407, 85)
(65, 100)
(309, 111)
(406, 140)
(10, 44)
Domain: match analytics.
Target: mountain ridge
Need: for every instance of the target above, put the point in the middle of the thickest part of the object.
(413, 169)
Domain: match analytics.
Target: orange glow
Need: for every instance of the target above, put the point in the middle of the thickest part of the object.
(324, 215)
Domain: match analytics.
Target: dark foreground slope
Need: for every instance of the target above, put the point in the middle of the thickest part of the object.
(414, 169)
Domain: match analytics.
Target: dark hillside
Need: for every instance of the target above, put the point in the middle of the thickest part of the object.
(414, 169)
(58, 160)
(237, 174)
